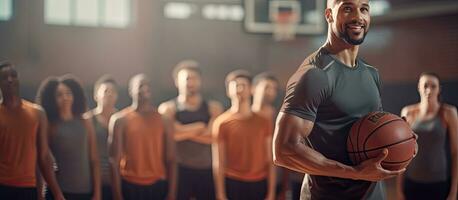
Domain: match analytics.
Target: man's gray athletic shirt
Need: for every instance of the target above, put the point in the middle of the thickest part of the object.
(333, 96)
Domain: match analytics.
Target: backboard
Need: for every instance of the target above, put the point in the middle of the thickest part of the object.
(259, 15)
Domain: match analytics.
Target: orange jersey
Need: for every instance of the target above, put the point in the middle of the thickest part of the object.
(18, 149)
(142, 160)
(245, 140)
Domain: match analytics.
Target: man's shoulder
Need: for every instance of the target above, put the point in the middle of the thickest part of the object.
(319, 59)
(167, 106)
(122, 114)
(261, 119)
(32, 106)
(224, 117)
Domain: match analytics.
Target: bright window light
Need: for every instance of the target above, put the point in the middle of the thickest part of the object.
(379, 7)
(87, 13)
(6, 9)
(106, 13)
(116, 13)
(57, 12)
(177, 10)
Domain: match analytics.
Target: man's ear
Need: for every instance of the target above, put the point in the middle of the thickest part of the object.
(328, 15)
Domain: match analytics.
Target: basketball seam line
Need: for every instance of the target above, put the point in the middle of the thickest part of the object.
(397, 162)
(357, 136)
(405, 140)
(351, 143)
(373, 132)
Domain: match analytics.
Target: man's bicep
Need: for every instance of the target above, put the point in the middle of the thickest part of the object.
(290, 124)
(290, 134)
(42, 132)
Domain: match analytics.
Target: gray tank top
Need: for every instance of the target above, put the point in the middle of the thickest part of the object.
(189, 153)
(430, 163)
(70, 147)
(102, 147)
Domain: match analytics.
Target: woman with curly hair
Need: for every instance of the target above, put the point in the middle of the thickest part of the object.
(72, 138)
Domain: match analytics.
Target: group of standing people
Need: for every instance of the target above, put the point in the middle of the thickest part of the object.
(189, 148)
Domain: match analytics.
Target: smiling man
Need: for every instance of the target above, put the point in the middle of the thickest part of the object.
(330, 90)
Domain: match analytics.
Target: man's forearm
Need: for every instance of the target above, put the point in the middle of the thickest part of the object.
(116, 180)
(172, 170)
(272, 180)
(304, 159)
(219, 183)
(97, 183)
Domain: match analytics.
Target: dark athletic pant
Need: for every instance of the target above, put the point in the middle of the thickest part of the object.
(195, 183)
(243, 190)
(19, 193)
(69, 196)
(419, 191)
(156, 191)
(107, 192)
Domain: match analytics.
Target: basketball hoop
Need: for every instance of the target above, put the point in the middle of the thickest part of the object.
(285, 18)
(285, 24)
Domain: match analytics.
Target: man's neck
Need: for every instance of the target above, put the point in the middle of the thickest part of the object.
(104, 110)
(12, 101)
(191, 99)
(344, 52)
(142, 106)
(260, 105)
(241, 107)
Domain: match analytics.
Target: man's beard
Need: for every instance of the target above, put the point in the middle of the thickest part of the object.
(346, 36)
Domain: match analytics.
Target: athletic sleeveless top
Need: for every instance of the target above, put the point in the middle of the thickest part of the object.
(18, 151)
(142, 161)
(70, 147)
(430, 164)
(101, 133)
(189, 153)
(245, 146)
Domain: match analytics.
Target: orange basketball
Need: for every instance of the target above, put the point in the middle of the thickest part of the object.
(378, 130)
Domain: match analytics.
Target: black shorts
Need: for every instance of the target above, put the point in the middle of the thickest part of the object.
(107, 192)
(70, 196)
(195, 183)
(243, 190)
(157, 190)
(19, 193)
(420, 191)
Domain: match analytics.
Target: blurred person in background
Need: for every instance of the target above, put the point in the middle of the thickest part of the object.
(141, 148)
(105, 95)
(192, 116)
(433, 173)
(242, 146)
(23, 143)
(72, 138)
(265, 89)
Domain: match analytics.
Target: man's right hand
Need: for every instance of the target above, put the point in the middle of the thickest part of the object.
(221, 197)
(59, 197)
(372, 170)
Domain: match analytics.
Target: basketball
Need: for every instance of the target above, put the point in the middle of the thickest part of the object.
(378, 130)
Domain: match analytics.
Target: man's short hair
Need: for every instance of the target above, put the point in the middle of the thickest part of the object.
(240, 73)
(106, 78)
(5, 64)
(264, 76)
(135, 79)
(191, 65)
